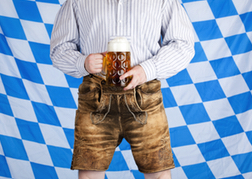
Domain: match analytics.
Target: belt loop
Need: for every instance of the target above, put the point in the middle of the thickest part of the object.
(103, 82)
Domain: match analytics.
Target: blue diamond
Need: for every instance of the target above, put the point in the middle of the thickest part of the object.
(13, 148)
(234, 44)
(228, 126)
(12, 28)
(194, 113)
(30, 12)
(246, 19)
(61, 157)
(5, 49)
(241, 103)
(30, 131)
(118, 162)
(192, 171)
(181, 136)
(5, 105)
(4, 170)
(243, 162)
(43, 171)
(210, 90)
(207, 30)
(61, 97)
(168, 98)
(14, 87)
(217, 148)
(29, 71)
(222, 8)
(45, 114)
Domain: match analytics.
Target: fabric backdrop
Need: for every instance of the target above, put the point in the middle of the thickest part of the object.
(209, 104)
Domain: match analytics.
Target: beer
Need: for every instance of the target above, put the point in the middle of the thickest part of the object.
(117, 62)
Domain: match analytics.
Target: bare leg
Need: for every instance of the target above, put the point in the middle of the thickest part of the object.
(159, 175)
(85, 174)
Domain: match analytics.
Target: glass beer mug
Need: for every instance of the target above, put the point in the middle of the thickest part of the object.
(117, 62)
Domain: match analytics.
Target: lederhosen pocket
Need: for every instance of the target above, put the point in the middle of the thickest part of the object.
(91, 99)
(146, 98)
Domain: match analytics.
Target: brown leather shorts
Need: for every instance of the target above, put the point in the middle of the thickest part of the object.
(106, 116)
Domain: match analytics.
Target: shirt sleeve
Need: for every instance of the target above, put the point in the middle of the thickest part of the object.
(64, 46)
(177, 48)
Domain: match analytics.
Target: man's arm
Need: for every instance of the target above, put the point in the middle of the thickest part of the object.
(177, 47)
(178, 43)
(64, 50)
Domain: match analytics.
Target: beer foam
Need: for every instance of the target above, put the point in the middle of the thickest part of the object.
(119, 44)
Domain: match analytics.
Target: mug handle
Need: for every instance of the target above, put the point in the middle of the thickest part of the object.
(104, 66)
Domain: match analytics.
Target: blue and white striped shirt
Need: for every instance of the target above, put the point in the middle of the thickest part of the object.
(83, 27)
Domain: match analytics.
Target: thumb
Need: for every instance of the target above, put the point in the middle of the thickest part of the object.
(104, 53)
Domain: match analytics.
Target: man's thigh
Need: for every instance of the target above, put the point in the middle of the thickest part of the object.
(147, 129)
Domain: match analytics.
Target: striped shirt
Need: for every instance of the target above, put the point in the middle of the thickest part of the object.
(160, 34)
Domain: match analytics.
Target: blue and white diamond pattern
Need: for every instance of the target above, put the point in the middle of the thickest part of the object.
(209, 104)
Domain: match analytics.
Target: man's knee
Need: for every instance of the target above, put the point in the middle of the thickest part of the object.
(85, 174)
(166, 174)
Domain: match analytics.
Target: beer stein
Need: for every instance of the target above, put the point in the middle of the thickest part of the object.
(117, 62)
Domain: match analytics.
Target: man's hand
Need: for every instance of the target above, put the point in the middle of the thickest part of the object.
(93, 62)
(138, 77)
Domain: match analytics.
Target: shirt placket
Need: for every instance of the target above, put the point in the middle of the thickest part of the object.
(120, 18)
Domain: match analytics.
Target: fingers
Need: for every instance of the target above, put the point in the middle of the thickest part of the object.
(138, 77)
(125, 75)
(104, 53)
(93, 63)
(132, 84)
(134, 81)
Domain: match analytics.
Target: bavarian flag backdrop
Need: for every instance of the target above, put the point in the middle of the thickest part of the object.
(209, 104)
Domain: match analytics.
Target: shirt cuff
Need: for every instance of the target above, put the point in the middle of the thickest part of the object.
(80, 65)
(150, 69)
